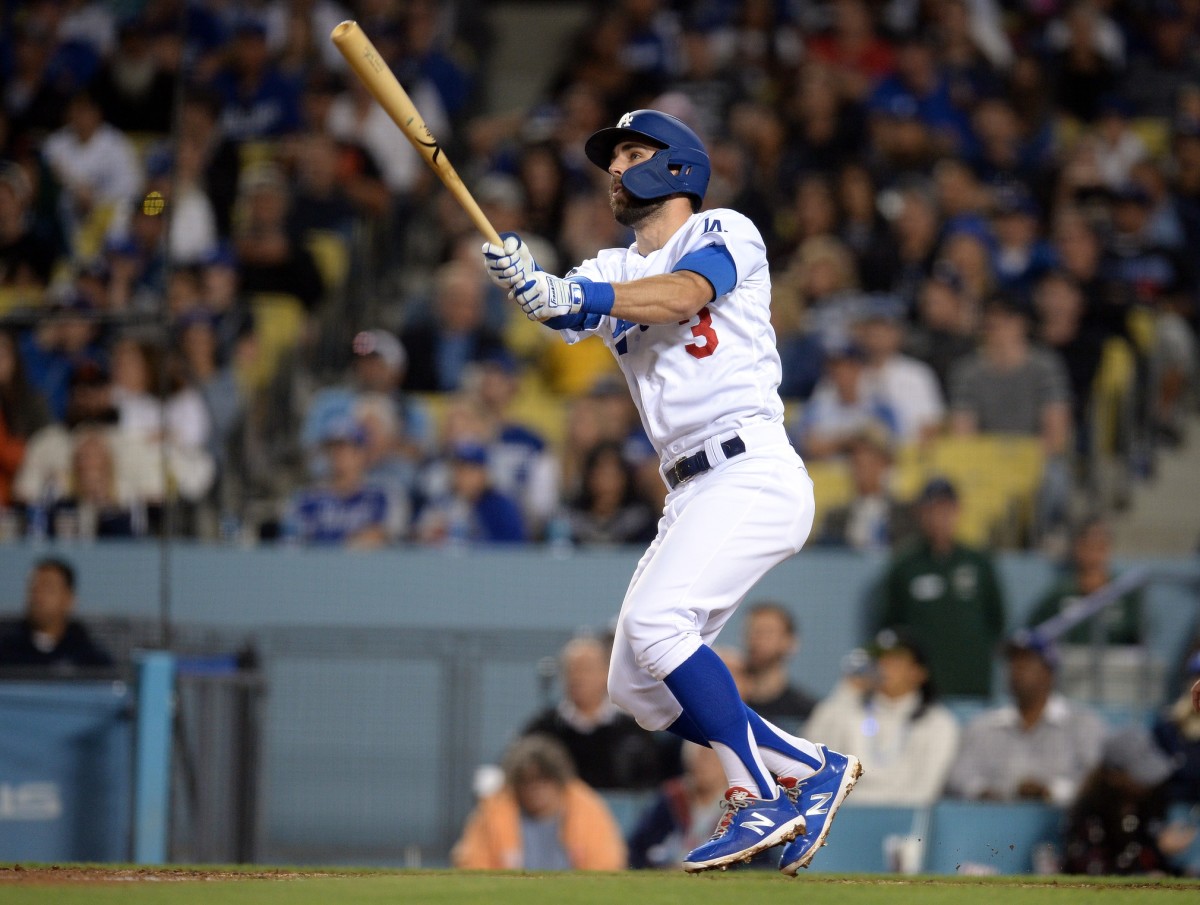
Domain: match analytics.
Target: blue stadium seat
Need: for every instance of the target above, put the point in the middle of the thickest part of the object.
(987, 837)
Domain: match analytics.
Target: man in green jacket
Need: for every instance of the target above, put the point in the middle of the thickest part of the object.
(947, 596)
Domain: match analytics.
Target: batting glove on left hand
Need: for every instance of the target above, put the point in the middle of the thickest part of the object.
(510, 264)
(544, 296)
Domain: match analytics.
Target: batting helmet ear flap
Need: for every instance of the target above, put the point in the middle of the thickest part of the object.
(680, 167)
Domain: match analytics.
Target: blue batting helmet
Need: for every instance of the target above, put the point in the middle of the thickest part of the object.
(685, 155)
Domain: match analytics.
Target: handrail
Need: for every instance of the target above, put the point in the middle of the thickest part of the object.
(1091, 605)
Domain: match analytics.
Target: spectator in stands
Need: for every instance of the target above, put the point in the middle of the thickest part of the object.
(682, 814)
(26, 258)
(771, 639)
(94, 163)
(907, 386)
(219, 159)
(609, 750)
(23, 411)
(270, 257)
(841, 405)
(543, 818)
(1062, 328)
(257, 100)
(895, 724)
(873, 519)
(58, 348)
(520, 461)
(49, 636)
(215, 380)
(1088, 570)
(947, 595)
(1010, 386)
(135, 87)
(1039, 747)
(1162, 279)
(1021, 256)
(1177, 732)
(1118, 823)
(608, 509)
(376, 374)
(942, 334)
(453, 334)
(343, 510)
(92, 504)
(180, 425)
(472, 511)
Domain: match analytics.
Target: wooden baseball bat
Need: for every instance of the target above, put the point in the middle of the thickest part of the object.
(369, 66)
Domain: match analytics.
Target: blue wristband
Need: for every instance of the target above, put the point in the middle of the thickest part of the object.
(597, 297)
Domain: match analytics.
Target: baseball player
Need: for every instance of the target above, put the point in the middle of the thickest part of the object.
(686, 312)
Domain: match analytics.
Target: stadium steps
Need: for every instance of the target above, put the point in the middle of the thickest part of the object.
(1164, 518)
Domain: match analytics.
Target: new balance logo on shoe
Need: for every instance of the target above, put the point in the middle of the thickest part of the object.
(760, 823)
(820, 804)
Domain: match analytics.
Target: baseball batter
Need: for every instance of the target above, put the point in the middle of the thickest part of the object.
(686, 312)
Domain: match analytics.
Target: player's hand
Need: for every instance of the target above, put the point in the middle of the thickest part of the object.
(543, 296)
(509, 264)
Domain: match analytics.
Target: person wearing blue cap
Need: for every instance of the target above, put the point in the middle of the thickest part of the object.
(344, 511)
(473, 511)
(947, 595)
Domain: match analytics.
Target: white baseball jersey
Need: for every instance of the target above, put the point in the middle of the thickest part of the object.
(714, 373)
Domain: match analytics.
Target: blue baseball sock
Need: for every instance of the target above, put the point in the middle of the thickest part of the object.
(704, 688)
(685, 727)
(784, 755)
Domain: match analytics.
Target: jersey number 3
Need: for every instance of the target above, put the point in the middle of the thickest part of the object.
(705, 342)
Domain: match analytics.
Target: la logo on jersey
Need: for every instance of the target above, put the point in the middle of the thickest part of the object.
(760, 823)
(712, 226)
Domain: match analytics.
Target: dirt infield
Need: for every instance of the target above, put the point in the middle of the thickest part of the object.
(53, 874)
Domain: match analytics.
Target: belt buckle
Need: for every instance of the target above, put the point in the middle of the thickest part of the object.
(674, 472)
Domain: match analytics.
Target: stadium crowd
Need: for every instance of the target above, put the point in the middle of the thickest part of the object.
(235, 305)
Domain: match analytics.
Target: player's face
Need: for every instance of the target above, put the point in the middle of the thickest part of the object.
(628, 210)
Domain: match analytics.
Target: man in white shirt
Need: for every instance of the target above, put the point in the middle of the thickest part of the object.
(905, 384)
(95, 163)
(1037, 748)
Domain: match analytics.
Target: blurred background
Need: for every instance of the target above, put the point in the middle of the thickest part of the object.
(262, 411)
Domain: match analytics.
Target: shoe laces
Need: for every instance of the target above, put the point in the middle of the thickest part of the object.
(735, 799)
(791, 788)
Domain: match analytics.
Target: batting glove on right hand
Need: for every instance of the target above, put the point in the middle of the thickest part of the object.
(509, 265)
(544, 296)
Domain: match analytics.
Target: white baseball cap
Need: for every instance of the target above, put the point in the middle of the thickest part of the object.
(384, 344)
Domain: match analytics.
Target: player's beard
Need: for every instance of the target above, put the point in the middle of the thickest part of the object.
(633, 212)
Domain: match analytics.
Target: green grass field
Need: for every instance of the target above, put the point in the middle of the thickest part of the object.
(101, 886)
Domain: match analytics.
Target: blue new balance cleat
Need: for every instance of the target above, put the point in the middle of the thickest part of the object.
(748, 826)
(817, 799)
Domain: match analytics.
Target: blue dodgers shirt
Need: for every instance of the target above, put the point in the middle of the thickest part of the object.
(324, 517)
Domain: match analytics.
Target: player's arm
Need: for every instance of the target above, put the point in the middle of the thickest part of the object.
(698, 278)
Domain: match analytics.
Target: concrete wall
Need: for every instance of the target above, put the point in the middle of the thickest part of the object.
(392, 674)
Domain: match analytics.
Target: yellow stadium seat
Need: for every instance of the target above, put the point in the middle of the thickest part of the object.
(1152, 130)
(279, 322)
(88, 240)
(1142, 329)
(15, 298)
(832, 486)
(910, 471)
(1111, 389)
(332, 257)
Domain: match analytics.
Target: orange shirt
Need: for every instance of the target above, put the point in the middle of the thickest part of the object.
(491, 839)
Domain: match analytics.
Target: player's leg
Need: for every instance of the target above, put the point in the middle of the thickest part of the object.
(718, 538)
